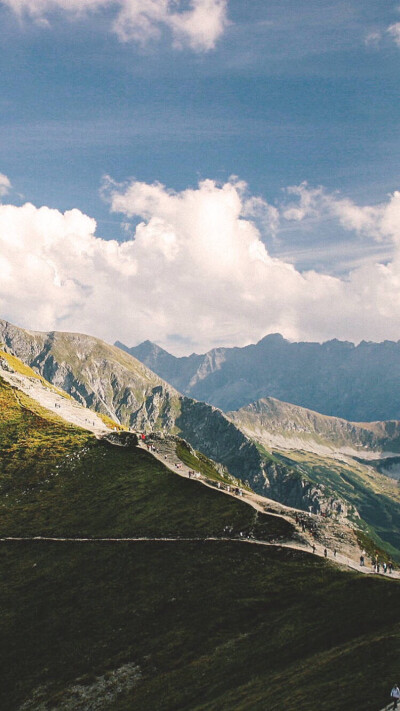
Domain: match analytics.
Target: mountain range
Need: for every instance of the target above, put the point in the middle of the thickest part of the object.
(360, 382)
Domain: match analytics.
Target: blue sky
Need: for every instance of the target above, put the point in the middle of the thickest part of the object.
(290, 91)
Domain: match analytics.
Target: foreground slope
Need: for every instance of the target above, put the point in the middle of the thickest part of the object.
(180, 624)
(360, 383)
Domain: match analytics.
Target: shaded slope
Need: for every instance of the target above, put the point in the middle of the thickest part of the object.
(214, 626)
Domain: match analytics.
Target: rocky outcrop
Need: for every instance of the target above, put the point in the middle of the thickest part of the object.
(128, 440)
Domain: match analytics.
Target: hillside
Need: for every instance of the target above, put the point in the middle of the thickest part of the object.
(194, 624)
(112, 381)
(359, 383)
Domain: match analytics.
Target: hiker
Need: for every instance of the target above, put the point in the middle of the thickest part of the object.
(313, 548)
(325, 553)
(384, 568)
(334, 553)
(395, 695)
(362, 560)
(390, 567)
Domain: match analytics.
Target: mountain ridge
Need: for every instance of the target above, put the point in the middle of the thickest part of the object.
(359, 383)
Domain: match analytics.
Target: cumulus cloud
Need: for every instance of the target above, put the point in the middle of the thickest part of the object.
(198, 25)
(196, 267)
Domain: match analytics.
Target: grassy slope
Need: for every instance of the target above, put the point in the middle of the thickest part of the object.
(200, 463)
(215, 626)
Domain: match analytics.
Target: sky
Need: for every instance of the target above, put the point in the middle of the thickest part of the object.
(201, 173)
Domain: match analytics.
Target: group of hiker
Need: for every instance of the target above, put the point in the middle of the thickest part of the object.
(376, 564)
(307, 524)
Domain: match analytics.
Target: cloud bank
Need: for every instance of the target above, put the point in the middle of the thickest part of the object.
(198, 27)
(196, 273)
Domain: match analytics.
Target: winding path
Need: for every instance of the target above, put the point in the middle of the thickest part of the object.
(338, 560)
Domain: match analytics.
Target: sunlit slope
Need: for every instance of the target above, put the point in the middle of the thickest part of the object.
(286, 426)
(96, 374)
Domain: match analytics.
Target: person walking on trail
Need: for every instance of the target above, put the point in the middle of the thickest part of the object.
(325, 553)
(313, 547)
(395, 695)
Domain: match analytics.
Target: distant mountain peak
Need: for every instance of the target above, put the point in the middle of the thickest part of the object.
(273, 338)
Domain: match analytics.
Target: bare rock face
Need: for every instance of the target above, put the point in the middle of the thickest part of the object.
(4, 364)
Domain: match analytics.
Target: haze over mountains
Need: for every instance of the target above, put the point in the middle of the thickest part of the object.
(359, 383)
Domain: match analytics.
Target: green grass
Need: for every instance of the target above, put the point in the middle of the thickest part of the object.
(214, 626)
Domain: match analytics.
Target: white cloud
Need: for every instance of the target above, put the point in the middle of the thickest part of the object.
(394, 31)
(5, 185)
(196, 267)
(380, 222)
(199, 26)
